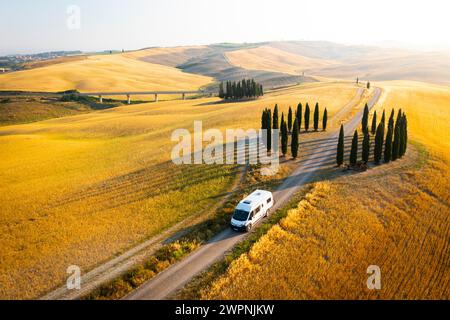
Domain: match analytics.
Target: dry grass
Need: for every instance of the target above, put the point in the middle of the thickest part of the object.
(117, 72)
(272, 59)
(395, 216)
(80, 189)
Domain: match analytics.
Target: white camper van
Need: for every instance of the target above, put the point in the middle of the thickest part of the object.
(252, 209)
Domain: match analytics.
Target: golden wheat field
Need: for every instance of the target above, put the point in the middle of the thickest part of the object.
(81, 189)
(395, 216)
(107, 73)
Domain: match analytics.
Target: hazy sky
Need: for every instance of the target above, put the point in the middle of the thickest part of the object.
(42, 25)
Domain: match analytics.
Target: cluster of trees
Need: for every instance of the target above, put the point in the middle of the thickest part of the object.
(291, 125)
(389, 147)
(270, 120)
(247, 88)
(304, 119)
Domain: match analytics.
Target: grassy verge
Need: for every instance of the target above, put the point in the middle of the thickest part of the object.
(198, 235)
(23, 108)
(193, 290)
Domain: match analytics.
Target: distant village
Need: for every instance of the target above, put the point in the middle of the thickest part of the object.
(16, 62)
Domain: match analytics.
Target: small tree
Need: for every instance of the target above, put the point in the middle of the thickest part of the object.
(401, 139)
(391, 120)
(396, 143)
(388, 144)
(316, 117)
(276, 124)
(368, 85)
(299, 115)
(366, 148)
(374, 123)
(325, 120)
(284, 138)
(294, 140)
(289, 123)
(379, 141)
(307, 116)
(365, 119)
(221, 91)
(266, 124)
(269, 130)
(354, 149)
(404, 136)
(340, 148)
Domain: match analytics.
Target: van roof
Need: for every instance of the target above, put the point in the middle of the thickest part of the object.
(254, 199)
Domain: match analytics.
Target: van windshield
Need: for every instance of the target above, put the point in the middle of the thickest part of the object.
(240, 215)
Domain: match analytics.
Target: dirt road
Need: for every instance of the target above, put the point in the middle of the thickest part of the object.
(178, 275)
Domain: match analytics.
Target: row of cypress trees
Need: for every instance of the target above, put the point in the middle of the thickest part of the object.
(390, 148)
(271, 121)
(304, 118)
(291, 125)
(247, 88)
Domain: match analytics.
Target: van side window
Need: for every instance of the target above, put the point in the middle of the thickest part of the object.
(258, 210)
(270, 200)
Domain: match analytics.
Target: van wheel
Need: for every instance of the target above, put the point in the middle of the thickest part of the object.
(249, 228)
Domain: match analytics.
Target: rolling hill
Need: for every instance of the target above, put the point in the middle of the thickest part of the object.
(275, 60)
(117, 72)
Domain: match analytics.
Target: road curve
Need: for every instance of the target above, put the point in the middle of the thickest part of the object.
(178, 275)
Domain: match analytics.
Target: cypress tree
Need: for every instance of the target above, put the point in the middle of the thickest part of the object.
(299, 115)
(354, 149)
(221, 91)
(399, 117)
(391, 120)
(325, 119)
(276, 124)
(396, 143)
(366, 148)
(316, 117)
(239, 94)
(379, 141)
(284, 138)
(388, 144)
(264, 119)
(266, 124)
(269, 130)
(374, 123)
(404, 135)
(294, 142)
(340, 148)
(289, 123)
(365, 119)
(383, 118)
(307, 116)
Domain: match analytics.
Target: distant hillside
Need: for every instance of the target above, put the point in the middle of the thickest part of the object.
(117, 72)
(273, 64)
